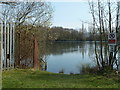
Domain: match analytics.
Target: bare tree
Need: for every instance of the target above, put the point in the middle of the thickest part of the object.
(35, 13)
(27, 16)
(102, 17)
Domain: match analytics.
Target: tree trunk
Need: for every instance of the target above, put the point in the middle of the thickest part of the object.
(36, 63)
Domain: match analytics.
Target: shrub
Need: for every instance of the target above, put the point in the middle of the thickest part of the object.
(88, 69)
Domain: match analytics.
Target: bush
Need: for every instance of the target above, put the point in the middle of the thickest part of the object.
(86, 69)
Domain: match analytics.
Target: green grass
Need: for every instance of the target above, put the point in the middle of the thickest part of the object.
(41, 79)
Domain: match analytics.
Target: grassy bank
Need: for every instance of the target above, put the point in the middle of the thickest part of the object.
(41, 79)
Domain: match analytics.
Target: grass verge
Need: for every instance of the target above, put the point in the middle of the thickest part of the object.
(40, 79)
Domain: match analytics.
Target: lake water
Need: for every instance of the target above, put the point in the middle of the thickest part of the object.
(70, 56)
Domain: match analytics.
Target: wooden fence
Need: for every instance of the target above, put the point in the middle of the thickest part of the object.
(7, 45)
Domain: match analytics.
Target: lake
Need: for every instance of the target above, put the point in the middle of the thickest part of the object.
(67, 56)
(70, 56)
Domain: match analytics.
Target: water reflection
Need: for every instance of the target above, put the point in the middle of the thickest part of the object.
(69, 56)
(59, 48)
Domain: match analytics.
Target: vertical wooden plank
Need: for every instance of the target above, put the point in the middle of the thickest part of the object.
(5, 44)
(8, 46)
(13, 43)
(2, 54)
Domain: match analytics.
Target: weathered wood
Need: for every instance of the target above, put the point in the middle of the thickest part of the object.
(7, 45)
(2, 57)
(10, 43)
(8, 54)
(4, 45)
(13, 42)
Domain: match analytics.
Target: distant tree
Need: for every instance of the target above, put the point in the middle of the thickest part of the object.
(59, 33)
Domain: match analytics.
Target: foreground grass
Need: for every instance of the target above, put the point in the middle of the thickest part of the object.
(41, 79)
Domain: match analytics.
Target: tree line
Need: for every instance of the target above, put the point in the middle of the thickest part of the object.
(66, 34)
